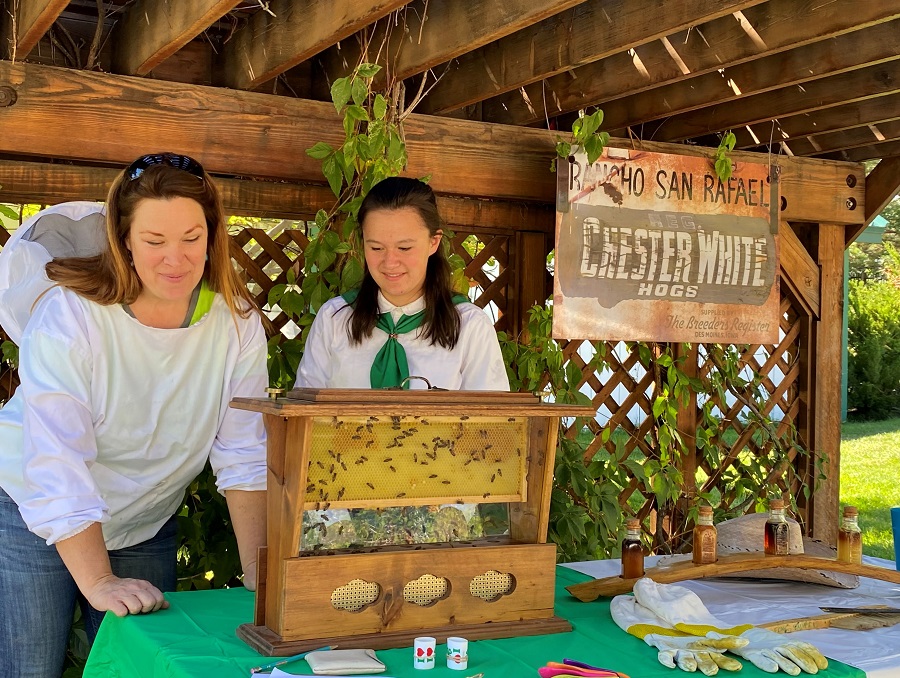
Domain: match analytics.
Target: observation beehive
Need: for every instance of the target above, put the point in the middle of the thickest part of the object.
(379, 449)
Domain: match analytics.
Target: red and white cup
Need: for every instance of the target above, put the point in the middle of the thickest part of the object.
(457, 653)
(423, 652)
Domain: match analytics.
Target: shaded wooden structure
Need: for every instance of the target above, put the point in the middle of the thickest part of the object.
(243, 86)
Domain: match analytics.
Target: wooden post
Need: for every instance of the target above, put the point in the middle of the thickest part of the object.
(530, 277)
(827, 382)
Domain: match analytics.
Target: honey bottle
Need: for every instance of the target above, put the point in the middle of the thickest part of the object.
(632, 551)
(705, 537)
(776, 531)
(849, 547)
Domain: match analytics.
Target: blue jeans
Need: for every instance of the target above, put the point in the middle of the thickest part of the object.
(38, 595)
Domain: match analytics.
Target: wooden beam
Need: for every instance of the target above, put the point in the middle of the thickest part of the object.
(884, 149)
(47, 184)
(432, 33)
(834, 119)
(31, 21)
(852, 86)
(799, 270)
(825, 517)
(294, 31)
(882, 186)
(590, 31)
(823, 144)
(799, 66)
(152, 31)
(86, 116)
(777, 25)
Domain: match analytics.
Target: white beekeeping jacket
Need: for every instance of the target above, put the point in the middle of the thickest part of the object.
(70, 229)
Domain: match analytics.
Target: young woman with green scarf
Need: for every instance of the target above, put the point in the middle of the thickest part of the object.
(404, 319)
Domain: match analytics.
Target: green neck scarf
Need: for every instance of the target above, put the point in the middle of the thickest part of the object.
(390, 368)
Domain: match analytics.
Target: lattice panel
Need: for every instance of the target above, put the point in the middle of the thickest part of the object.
(622, 387)
(265, 256)
(488, 266)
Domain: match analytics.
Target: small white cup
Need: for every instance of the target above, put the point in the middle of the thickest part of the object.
(423, 652)
(457, 653)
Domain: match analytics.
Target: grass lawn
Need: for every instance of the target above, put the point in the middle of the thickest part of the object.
(870, 479)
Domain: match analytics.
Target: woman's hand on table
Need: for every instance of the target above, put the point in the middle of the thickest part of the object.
(125, 596)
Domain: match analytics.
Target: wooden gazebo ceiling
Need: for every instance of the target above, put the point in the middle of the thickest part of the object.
(795, 77)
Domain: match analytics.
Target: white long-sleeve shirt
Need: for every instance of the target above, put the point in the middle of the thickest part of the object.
(114, 419)
(331, 361)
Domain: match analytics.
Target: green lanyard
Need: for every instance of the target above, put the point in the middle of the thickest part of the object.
(390, 367)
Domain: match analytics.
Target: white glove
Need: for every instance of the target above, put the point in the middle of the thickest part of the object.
(768, 651)
(772, 651)
(686, 652)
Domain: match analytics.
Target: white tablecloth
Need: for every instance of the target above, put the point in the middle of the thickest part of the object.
(742, 601)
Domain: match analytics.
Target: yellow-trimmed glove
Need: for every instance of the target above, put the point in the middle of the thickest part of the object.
(769, 651)
(675, 649)
(772, 651)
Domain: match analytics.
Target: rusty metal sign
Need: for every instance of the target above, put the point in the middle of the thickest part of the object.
(655, 247)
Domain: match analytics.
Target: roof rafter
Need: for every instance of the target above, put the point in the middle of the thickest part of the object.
(834, 119)
(853, 137)
(32, 20)
(436, 32)
(588, 32)
(292, 31)
(793, 67)
(152, 31)
(886, 149)
(851, 86)
(777, 26)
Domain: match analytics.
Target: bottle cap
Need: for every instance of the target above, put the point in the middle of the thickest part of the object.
(776, 504)
(632, 524)
(851, 511)
(706, 510)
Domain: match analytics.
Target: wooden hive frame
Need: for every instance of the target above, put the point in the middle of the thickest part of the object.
(385, 596)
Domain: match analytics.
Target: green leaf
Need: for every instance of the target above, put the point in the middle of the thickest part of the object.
(334, 174)
(352, 274)
(275, 294)
(320, 151)
(319, 296)
(350, 225)
(367, 70)
(321, 219)
(8, 212)
(359, 91)
(357, 113)
(379, 107)
(340, 93)
(563, 149)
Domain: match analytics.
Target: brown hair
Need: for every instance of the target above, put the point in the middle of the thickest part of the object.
(441, 323)
(109, 278)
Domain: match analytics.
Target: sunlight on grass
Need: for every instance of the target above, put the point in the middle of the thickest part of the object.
(870, 475)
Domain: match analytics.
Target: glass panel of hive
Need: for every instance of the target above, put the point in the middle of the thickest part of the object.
(413, 461)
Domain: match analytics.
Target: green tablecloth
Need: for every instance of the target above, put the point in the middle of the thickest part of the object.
(195, 637)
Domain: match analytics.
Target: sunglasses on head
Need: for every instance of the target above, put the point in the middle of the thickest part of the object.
(181, 162)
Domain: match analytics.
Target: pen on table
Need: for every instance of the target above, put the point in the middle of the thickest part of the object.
(285, 660)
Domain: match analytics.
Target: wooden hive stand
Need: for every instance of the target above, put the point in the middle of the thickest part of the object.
(370, 449)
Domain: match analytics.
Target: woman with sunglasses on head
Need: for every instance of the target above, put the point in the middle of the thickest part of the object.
(128, 365)
(404, 319)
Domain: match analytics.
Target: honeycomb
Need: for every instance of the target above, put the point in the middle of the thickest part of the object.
(411, 460)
